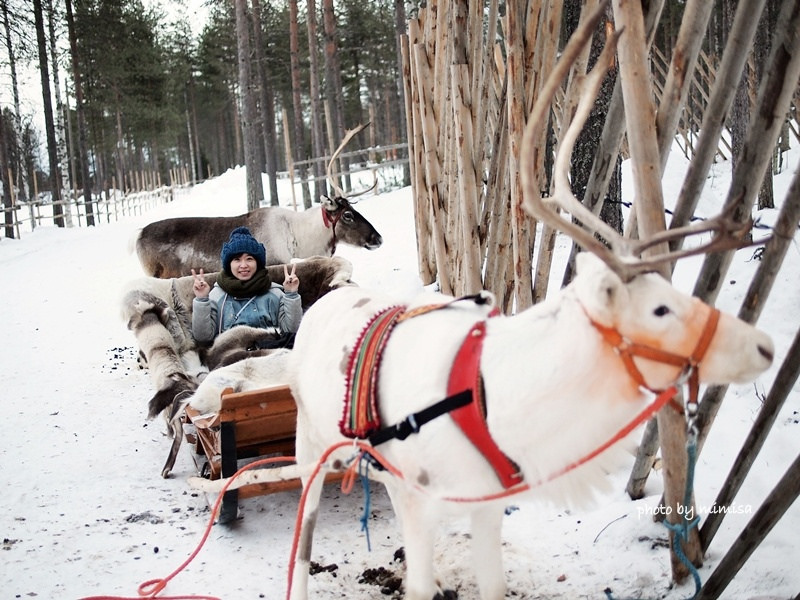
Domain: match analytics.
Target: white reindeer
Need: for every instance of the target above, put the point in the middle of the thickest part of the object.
(556, 389)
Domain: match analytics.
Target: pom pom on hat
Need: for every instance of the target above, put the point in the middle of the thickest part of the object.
(241, 241)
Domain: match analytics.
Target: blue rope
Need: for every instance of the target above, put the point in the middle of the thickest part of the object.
(681, 530)
(363, 465)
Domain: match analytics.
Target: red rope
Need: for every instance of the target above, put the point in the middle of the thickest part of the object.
(152, 587)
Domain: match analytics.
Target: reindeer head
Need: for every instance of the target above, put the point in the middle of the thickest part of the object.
(348, 224)
(647, 312)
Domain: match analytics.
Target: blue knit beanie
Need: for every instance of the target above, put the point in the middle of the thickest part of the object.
(242, 241)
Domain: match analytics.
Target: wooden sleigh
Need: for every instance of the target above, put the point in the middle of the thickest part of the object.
(249, 425)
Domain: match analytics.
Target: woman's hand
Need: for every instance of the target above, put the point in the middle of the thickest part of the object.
(290, 282)
(200, 286)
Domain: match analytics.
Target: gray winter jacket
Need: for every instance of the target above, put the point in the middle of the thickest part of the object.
(221, 311)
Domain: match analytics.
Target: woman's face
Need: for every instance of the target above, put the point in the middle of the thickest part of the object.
(244, 267)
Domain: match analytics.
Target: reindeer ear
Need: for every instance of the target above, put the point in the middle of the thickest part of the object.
(601, 292)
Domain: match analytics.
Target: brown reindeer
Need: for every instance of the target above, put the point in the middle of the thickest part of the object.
(172, 247)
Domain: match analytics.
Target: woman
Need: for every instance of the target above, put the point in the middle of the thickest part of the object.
(244, 293)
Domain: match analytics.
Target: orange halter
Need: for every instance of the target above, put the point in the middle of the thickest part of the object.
(627, 350)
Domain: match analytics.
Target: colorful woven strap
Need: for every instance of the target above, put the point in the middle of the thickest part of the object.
(360, 417)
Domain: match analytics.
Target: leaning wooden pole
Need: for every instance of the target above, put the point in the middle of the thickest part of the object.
(766, 517)
(784, 382)
(728, 76)
(741, 36)
(640, 114)
(774, 97)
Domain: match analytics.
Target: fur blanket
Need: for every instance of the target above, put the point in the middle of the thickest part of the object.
(159, 313)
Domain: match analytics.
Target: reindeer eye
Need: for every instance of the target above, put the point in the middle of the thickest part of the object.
(661, 311)
(347, 216)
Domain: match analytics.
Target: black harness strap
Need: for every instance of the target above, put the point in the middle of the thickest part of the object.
(412, 423)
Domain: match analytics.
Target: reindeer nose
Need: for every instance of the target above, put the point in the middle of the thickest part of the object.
(375, 241)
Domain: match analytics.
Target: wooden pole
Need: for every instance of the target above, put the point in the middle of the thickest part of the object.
(426, 261)
(467, 181)
(287, 145)
(640, 115)
(432, 166)
(774, 507)
(784, 382)
(728, 76)
(774, 97)
(523, 227)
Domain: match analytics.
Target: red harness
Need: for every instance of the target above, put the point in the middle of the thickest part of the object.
(469, 415)
(330, 223)
(466, 375)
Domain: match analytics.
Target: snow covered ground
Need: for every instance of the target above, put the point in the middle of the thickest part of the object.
(87, 513)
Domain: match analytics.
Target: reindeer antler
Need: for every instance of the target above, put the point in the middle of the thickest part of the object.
(623, 255)
(348, 135)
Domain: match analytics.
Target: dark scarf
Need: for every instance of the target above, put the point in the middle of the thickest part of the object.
(255, 286)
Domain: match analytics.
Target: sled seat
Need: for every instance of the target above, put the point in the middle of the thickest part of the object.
(249, 425)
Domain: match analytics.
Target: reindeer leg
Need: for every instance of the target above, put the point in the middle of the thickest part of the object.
(306, 453)
(418, 536)
(302, 560)
(487, 522)
(175, 428)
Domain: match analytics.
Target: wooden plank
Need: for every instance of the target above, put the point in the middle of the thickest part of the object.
(233, 400)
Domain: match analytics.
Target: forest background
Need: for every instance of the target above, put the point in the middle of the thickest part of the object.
(139, 94)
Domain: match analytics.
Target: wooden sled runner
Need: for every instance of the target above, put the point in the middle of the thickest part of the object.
(249, 424)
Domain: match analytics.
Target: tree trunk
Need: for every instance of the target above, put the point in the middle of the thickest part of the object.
(317, 127)
(297, 102)
(740, 110)
(255, 190)
(333, 81)
(399, 31)
(63, 156)
(4, 178)
(79, 111)
(190, 138)
(52, 147)
(121, 162)
(766, 198)
(267, 107)
(17, 125)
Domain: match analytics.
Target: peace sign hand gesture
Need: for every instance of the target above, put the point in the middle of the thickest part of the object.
(200, 286)
(291, 283)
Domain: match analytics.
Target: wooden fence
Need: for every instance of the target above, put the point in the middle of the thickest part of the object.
(702, 83)
(114, 205)
(111, 206)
